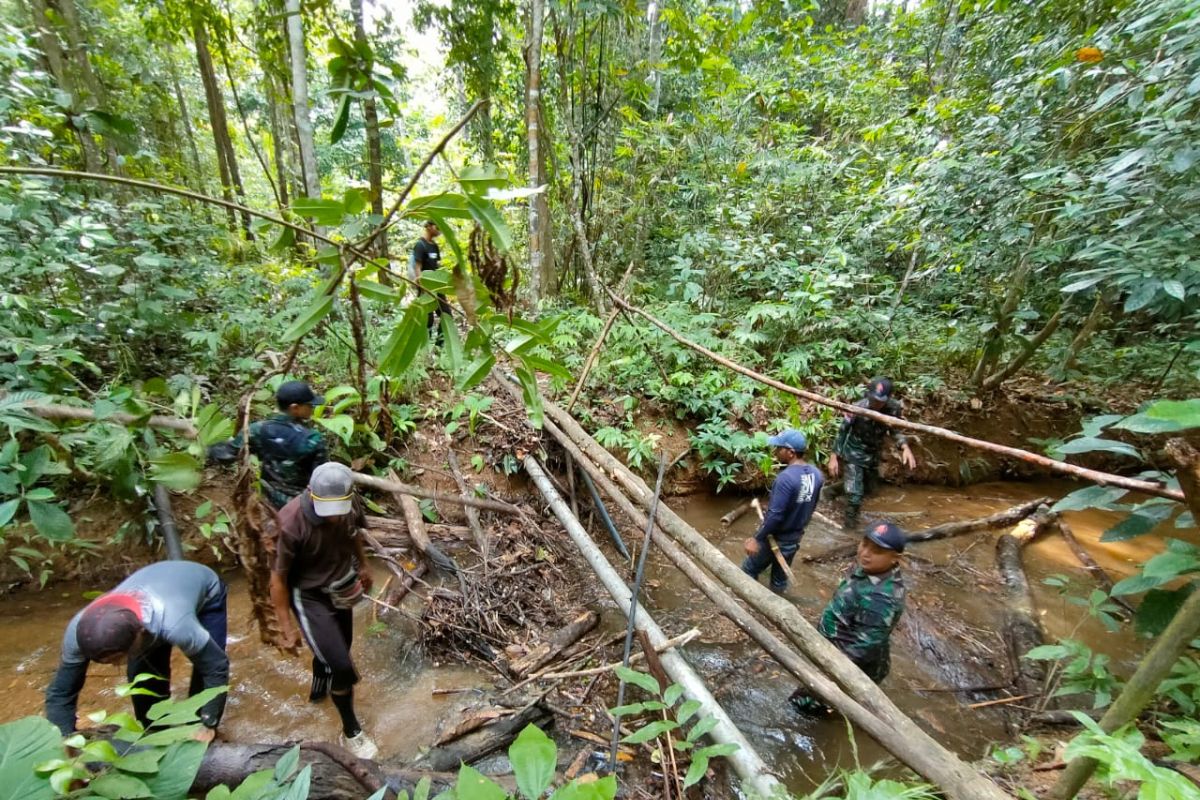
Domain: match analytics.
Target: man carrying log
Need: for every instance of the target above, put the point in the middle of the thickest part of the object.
(164, 605)
(794, 497)
(320, 574)
(858, 446)
(287, 445)
(864, 610)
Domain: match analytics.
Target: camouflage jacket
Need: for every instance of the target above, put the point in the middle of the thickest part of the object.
(287, 449)
(860, 440)
(860, 618)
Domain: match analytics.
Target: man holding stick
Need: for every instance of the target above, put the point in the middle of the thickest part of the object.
(794, 497)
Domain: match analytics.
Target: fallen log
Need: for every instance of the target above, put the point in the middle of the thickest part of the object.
(946, 530)
(420, 537)
(929, 758)
(60, 413)
(737, 513)
(1022, 631)
(228, 764)
(545, 652)
(395, 486)
(799, 666)
(482, 743)
(1098, 572)
(472, 513)
(751, 769)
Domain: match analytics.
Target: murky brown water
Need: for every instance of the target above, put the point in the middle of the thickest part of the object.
(267, 701)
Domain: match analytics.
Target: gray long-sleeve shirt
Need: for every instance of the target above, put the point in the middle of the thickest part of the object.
(169, 596)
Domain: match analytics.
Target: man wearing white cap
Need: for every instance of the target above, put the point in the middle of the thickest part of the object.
(320, 574)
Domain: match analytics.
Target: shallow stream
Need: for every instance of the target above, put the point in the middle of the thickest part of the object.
(399, 704)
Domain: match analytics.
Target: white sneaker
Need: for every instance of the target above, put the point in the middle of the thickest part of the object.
(360, 745)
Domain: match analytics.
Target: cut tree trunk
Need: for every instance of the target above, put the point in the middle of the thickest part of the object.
(483, 743)
(1022, 632)
(545, 652)
(946, 530)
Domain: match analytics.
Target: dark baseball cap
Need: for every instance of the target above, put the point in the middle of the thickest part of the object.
(887, 536)
(792, 439)
(879, 388)
(297, 393)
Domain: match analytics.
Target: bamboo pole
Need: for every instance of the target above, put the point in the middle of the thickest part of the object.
(1095, 476)
(749, 766)
(957, 779)
(591, 359)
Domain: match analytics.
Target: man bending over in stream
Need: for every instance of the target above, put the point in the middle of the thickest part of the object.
(794, 497)
(164, 605)
(320, 574)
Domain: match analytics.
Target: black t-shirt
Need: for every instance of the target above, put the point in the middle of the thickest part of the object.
(426, 255)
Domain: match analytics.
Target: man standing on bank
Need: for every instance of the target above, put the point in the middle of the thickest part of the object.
(794, 497)
(426, 255)
(163, 605)
(320, 574)
(859, 444)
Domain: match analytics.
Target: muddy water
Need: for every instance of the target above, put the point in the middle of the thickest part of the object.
(267, 701)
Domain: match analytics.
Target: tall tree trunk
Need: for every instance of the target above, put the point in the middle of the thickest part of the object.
(77, 52)
(654, 52)
(374, 143)
(56, 63)
(304, 126)
(216, 110)
(279, 144)
(181, 100)
(1085, 331)
(540, 263)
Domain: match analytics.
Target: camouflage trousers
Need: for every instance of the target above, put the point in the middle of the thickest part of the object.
(860, 480)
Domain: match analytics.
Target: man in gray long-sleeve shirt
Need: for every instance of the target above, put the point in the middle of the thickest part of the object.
(794, 497)
(164, 605)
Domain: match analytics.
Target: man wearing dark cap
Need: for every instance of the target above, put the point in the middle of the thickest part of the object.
(859, 443)
(860, 618)
(320, 574)
(287, 446)
(164, 605)
(794, 497)
(426, 255)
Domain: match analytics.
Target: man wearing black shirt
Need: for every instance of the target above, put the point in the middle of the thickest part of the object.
(426, 255)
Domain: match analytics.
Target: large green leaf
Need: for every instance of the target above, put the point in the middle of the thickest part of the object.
(476, 372)
(322, 210)
(50, 521)
(377, 291)
(177, 770)
(487, 215)
(406, 341)
(119, 786)
(25, 743)
(1158, 608)
(446, 204)
(1164, 416)
(478, 180)
(1143, 520)
(473, 785)
(309, 317)
(1092, 444)
(578, 789)
(180, 471)
(532, 396)
(533, 757)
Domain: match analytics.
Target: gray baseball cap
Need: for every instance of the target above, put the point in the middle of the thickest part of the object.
(332, 489)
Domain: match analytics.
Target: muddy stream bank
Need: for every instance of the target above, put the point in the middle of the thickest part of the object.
(952, 586)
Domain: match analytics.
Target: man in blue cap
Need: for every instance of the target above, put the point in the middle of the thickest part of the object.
(794, 497)
(865, 608)
(287, 446)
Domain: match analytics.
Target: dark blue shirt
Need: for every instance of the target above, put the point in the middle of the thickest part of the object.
(793, 500)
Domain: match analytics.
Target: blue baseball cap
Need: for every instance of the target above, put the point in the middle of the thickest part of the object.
(792, 439)
(887, 536)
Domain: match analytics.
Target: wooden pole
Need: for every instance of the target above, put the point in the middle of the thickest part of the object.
(749, 766)
(371, 482)
(957, 779)
(779, 559)
(591, 359)
(1171, 644)
(1095, 476)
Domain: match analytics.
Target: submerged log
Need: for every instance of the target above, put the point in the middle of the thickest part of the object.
(737, 513)
(482, 743)
(1098, 572)
(545, 652)
(931, 759)
(947, 530)
(1022, 631)
(751, 769)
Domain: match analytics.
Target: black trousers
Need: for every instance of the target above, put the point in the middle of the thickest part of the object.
(156, 661)
(329, 633)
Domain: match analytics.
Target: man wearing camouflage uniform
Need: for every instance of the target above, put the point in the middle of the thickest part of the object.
(865, 608)
(287, 446)
(858, 446)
